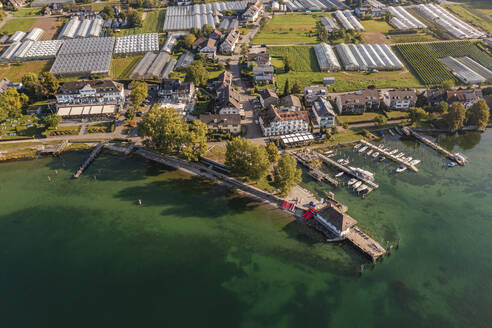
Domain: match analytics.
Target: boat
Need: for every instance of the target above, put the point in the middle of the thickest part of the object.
(393, 152)
(452, 164)
(409, 159)
(357, 185)
(381, 146)
(397, 129)
(399, 155)
(401, 169)
(357, 146)
(382, 158)
(415, 162)
(362, 174)
(362, 187)
(352, 181)
(370, 152)
(340, 161)
(376, 154)
(363, 149)
(329, 152)
(339, 174)
(391, 132)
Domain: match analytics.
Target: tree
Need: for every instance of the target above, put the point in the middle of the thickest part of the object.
(287, 60)
(52, 121)
(417, 114)
(107, 12)
(246, 159)
(381, 120)
(286, 88)
(286, 174)
(49, 84)
(479, 114)
(297, 87)
(456, 116)
(31, 85)
(189, 39)
(448, 84)
(197, 74)
(170, 134)
(443, 107)
(207, 29)
(273, 154)
(133, 18)
(138, 93)
(11, 103)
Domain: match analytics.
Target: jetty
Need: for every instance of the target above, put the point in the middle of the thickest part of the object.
(390, 156)
(314, 172)
(365, 243)
(56, 149)
(345, 169)
(454, 157)
(97, 150)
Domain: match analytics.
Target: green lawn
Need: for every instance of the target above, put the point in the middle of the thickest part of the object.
(122, 67)
(376, 26)
(303, 58)
(366, 117)
(217, 153)
(15, 71)
(290, 28)
(154, 21)
(21, 24)
(25, 127)
(482, 23)
(26, 12)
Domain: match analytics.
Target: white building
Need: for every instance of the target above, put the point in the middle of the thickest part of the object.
(90, 92)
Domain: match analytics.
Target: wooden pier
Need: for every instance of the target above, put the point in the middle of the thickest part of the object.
(315, 172)
(365, 243)
(454, 157)
(91, 158)
(388, 155)
(344, 169)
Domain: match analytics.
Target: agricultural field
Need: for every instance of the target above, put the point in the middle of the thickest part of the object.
(460, 49)
(424, 64)
(153, 22)
(474, 18)
(290, 28)
(21, 24)
(122, 67)
(50, 25)
(375, 37)
(303, 58)
(26, 12)
(15, 71)
(373, 25)
(411, 37)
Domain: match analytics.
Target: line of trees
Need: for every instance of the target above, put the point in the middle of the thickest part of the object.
(38, 87)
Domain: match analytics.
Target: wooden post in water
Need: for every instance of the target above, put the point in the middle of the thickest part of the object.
(361, 268)
(398, 245)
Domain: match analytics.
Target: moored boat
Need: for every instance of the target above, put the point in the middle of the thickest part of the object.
(401, 169)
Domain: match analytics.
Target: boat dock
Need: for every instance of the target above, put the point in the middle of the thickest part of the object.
(454, 157)
(344, 169)
(365, 243)
(314, 172)
(56, 149)
(88, 161)
(390, 156)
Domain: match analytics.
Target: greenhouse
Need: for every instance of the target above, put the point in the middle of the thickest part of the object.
(362, 57)
(10, 51)
(476, 67)
(329, 24)
(461, 71)
(168, 69)
(44, 49)
(87, 45)
(17, 36)
(327, 59)
(82, 64)
(347, 58)
(143, 66)
(185, 60)
(157, 66)
(137, 43)
(34, 34)
(402, 20)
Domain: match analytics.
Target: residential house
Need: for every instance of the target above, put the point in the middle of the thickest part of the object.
(358, 102)
(290, 103)
(252, 12)
(91, 92)
(264, 74)
(229, 44)
(313, 93)
(217, 35)
(222, 122)
(208, 48)
(322, 114)
(434, 96)
(274, 121)
(400, 99)
(224, 79)
(228, 101)
(260, 59)
(183, 2)
(465, 96)
(369, 10)
(173, 90)
(268, 97)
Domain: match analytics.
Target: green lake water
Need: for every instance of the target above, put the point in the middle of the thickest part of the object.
(82, 253)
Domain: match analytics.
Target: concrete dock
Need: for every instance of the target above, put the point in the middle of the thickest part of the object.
(388, 155)
(346, 170)
(89, 160)
(365, 243)
(454, 157)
